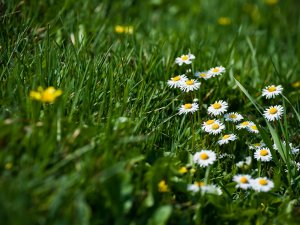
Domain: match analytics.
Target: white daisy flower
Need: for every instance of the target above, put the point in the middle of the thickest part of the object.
(204, 75)
(187, 59)
(226, 138)
(218, 108)
(207, 124)
(215, 128)
(263, 154)
(294, 150)
(189, 85)
(257, 145)
(188, 108)
(210, 189)
(233, 117)
(195, 187)
(272, 91)
(243, 181)
(205, 158)
(253, 129)
(262, 184)
(215, 71)
(273, 112)
(243, 163)
(244, 124)
(175, 82)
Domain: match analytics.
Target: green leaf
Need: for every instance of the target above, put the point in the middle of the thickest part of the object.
(161, 215)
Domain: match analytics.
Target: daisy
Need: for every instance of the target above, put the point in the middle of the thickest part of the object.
(175, 82)
(257, 145)
(243, 181)
(215, 71)
(226, 138)
(195, 187)
(244, 124)
(273, 112)
(262, 184)
(218, 108)
(189, 85)
(187, 59)
(272, 91)
(244, 163)
(188, 108)
(233, 117)
(215, 128)
(207, 124)
(204, 75)
(253, 129)
(204, 158)
(263, 154)
(294, 150)
(210, 189)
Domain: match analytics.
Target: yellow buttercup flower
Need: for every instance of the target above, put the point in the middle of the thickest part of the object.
(124, 29)
(162, 186)
(183, 170)
(224, 21)
(47, 96)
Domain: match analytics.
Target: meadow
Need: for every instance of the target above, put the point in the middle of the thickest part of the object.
(149, 112)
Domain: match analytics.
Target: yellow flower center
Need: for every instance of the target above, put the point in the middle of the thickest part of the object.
(215, 126)
(246, 123)
(217, 105)
(272, 88)
(263, 182)
(272, 110)
(226, 136)
(257, 144)
(254, 127)
(209, 122)
(203, 75)
(264, 152)
(215, 70)
(204, 156)
(177, 78)
(232, 116)
(244, 180)
(190, 82)
(199, 184)
(185, 57)
(188, 106)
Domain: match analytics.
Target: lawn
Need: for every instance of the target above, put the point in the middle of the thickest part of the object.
(149, 112)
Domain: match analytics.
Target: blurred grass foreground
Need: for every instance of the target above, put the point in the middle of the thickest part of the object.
(113, 112)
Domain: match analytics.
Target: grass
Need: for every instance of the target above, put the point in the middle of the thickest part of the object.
(97, 154)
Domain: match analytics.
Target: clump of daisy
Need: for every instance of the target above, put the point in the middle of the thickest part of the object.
(227, 138)
(204, 188)
(215, 71)
(244, 125)
(218, 108)
(273, 112)
(213, 127)
(203, 75)
(271, 91)
(188, 108)
(204, 158)
(175, 82)
(243, 181)
(233, 117)
(244, 163)
(184, 59)
(263, 154)
(262, 184)
(253, 129)
(189, 85)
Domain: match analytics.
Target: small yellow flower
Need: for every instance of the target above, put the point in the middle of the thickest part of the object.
(183, 170)
(296, 84)
(124, 29)
(271, 2)
(48, 95)
(8, 165)
(192, 170)
(162, 186)
(224, 21)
